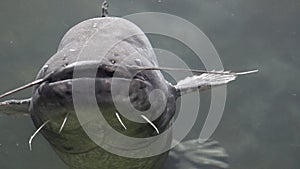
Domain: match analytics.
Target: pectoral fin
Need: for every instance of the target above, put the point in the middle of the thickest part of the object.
(206, 81)
(15, 107)
(194, 154)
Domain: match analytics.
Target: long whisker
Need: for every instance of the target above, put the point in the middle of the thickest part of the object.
(35, 133)
(36, 82)
(64, 123)
(196, 70)
(119, 118)
(22, 88)
(247, 72)
(150, 122)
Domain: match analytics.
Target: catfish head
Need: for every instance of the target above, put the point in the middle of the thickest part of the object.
(89, 65)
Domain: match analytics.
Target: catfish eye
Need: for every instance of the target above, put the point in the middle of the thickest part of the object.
(112, 61)
(45, 68)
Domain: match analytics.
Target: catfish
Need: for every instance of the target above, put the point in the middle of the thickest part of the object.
(101, 53)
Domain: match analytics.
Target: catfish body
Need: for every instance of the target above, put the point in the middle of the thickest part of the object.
(104, 55)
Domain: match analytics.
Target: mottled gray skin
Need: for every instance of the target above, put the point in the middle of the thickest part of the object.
(93, 63)
(52, 100)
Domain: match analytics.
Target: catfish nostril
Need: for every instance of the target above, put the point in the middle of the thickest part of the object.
(138, 62)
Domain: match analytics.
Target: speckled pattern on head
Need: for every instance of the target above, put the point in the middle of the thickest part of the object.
(110, 30)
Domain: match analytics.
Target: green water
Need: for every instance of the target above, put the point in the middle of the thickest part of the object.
(260, 125)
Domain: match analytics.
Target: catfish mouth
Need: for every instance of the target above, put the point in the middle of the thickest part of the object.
(102, 75)
(54, 97)
(94, 69)
(61, 84)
